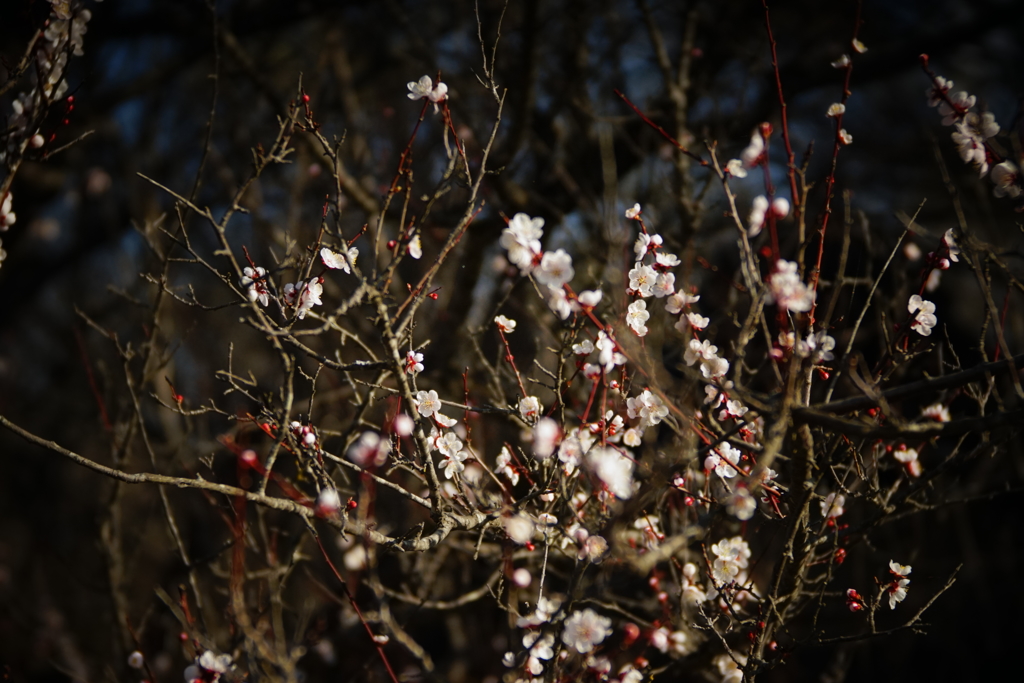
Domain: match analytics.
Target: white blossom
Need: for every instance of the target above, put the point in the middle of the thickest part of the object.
(328, 503)
(1005, 176)
(960, 102)
(427, 403)
(503, 464)
(707, 353)
(529, 408)
(694, 320)
(908, 456)
(453, 464)
(648, 407)
(540, 648)
(735, 168)
(583, 348)
(937, 412)
(590, 297)
(637, 316)
(633, 212)
(545, 438)
(780, 207)
(937, 90)
(681, 644)
(522, 240)
(666, 260)
(343, 261)
(818, 346)
(629, 674)
(448, 444)
(835, 110)
(741, 504)
(731, 557)
(734, 408)
(519, 528)
(506, 325)
(900, 569)
(570, 451)
(729, 669)
(304, 295)
(645, 242)
(369, 449)
(444, 420)
(559, 302)
(758, 210)
(924, 315)
(593, 549)
(555, 269)
(613, 469)
(724, 461)
(608, 357)
(675, 303)
(414, 248)
(949, 239)
(664, 285)
(585, 629)
(546, 608)
(897, 592)
(7, 217)
(403, 425)
(659, 639)
(256, 284)
(971, 146)
(733, 549)
(713, 396)
(218, 664)
(751, 155)
(425, 88)
(842, 62)
(642, 278)
(832, 505)
(905, 455)
(413, 362)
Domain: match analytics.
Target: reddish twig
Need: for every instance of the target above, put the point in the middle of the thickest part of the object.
(790, 157)
(104, 417)
(830, 181)
(359, 613)
(662, 131)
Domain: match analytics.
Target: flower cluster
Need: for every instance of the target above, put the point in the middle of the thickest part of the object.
(712, 366)
(787, 290)
(208, 668)
(585, 629)
(340, 261)
(648, 407)
(897, 588)
(972, 135)
(552, 270)
(731, 555)
(255, 282)
(303, 296)
(62, 38)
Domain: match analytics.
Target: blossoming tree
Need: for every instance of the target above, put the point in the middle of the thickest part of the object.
(640, 452)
